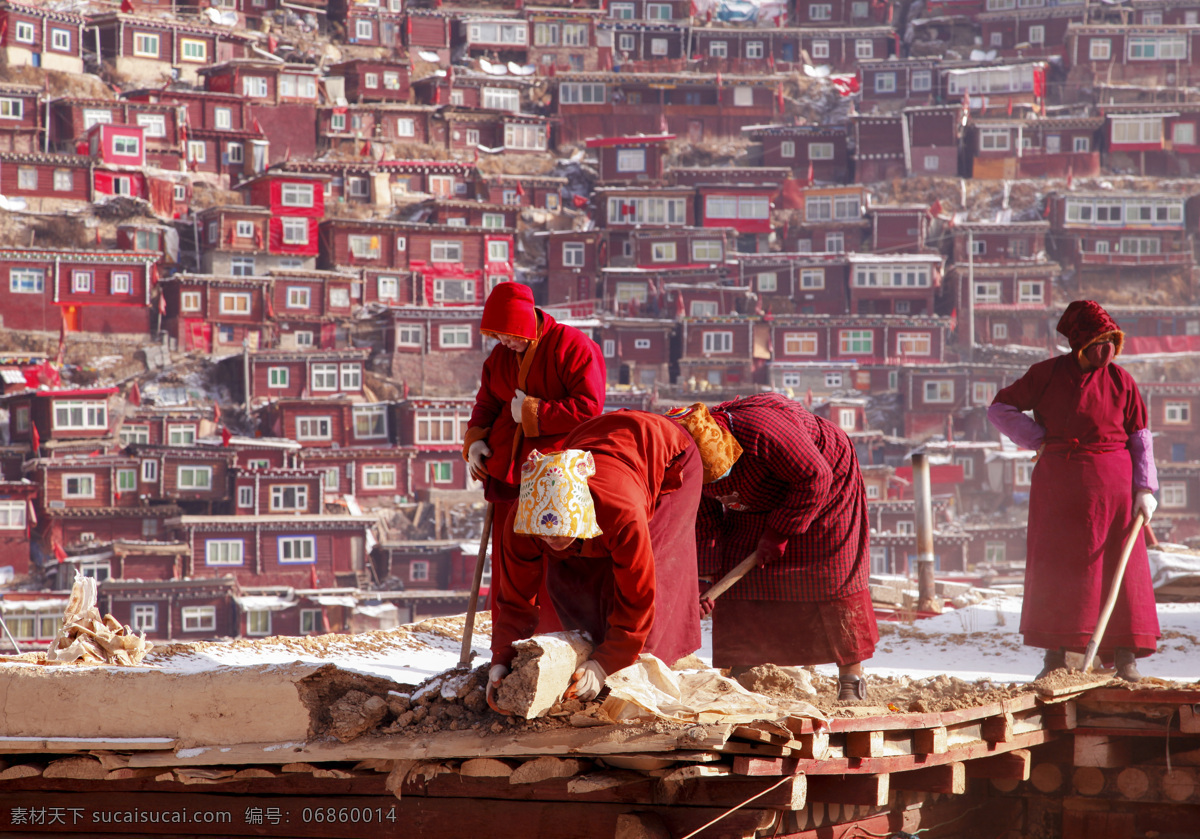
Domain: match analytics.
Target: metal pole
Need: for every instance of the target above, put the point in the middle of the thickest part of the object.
(923, 515)
(970, 295)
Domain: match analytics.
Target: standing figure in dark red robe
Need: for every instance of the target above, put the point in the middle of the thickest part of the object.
(541, 381)
(632, 587)
(1095, 471)
(794, 496)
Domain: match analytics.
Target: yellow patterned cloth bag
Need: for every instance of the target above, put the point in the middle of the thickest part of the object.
(719, 449)
(554, 495)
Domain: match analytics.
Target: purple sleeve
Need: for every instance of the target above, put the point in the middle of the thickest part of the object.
(1016, 426)
(1141, 452)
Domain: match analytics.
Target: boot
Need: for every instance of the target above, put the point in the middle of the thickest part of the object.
(1053, 660)
(852, 687)
(1126, 665)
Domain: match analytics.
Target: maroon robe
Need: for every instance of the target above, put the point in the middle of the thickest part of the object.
(1080, 509)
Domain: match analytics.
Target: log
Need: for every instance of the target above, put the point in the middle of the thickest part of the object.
(813, 745)
(998, 729)
(486, 767)
(864, 744)
(950, 778)
(1101, 750)
(79, 768)
(641, 826)
(544, 768)
(541, 672)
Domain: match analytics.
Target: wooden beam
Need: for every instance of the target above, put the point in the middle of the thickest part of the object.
(998, 729)
(1062, 716)
(930, 741)
(1189, 719)
(849, 789)
(950, 778)
(864, 744)
(1013, 766)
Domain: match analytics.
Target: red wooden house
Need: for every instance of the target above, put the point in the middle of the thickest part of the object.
(694, 105)
(171, 426)
(164, 48)
(38, 35)
(1171, 409)
(886, 83)
(657, 248)
(43, 180)
(282, 97)
(290, 374)
(76, 291)
(456, 265)
(209, 313)
(816, 153)
(516, 191)
(1137, 235)
(277, 491)
(464, 213)
(697, 289)
(563, 39)
(297, 203)
(880, 153)
(1154, 141)
(890, 283)
(327, 422)
(174, 609)
(933, 394)
(1146, 56)
(42, 418)
(277, 549)
(631, 159)
(838, 13)
(649, 10)
(364, 129)
(378, 24)
(20, 118)
(373, 476)
(1012, 279)
(644, 46)
(934, 139)
(194, 478)
(637, 351)
(497, 35)
(573, 259)
(866, 340)
(435, 347)
(789, 282)
(436, 428)
(233, 239)
(256, 452)
(365, 80)
(72, 117)
(16, 514)
(757, 50)
(831, 220)
(901, 228)
(1035, 147)
(994, 88)
(1030, 32)
(723, 351)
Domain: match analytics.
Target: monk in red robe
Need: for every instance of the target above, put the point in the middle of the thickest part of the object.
(541, 381)
(633, 586)
(1095, 471)
(793, 496)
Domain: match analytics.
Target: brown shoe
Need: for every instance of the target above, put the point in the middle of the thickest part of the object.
(1053, 660)
(1126, 664)
(852, 687)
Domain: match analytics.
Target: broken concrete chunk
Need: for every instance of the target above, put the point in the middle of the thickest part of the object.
(544, 768)
(541, 672)
(355, 713)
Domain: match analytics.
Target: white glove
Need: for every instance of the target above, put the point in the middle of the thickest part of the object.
(517, 402)
(586, 682)
(495, 675)
(1144, 503)
(478, 452)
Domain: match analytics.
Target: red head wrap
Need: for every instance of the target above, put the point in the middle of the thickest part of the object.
(509, 311)
(1085, 323)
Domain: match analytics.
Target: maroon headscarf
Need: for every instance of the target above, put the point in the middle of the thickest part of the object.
(1085, 323)
(509, 311)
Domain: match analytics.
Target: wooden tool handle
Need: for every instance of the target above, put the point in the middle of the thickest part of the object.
(1089, 654)
(740, 570)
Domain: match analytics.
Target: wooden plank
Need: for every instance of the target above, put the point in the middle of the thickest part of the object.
(864, 744)
(1189, 719)
(760, 749)
(1069, 690)
(814, 745)
(1011, 766)
(762, 733)
(881, 719)
(950, 778)
(998, 729)
(1062, 716)
(598, 741)
(63, 745)
(850, 789)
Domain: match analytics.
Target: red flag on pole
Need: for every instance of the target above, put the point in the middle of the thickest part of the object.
(811, 178)
(312, 577)
(520, 189)
(59, 553)
(216, 411)
(135, 395)
(226, 436)
(127, 6)
(36, 440)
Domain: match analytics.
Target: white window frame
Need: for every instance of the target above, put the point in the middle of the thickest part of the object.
(197, 478)
(1177, 412)
(198, 618)
(379, 476)
(718, 342)
(224, 552)
(454, 337)
(84, 485)
(141, 42)
(280, 494)
(1174, 495)
(314, 428)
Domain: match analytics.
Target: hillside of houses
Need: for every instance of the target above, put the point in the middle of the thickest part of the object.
(245, 246)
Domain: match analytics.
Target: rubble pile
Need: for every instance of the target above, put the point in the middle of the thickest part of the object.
(87, 638)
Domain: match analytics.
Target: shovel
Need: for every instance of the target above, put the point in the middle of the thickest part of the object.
(725, 583)
(1093, 645)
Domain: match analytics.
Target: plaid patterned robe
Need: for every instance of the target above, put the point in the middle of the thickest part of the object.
(798, 475)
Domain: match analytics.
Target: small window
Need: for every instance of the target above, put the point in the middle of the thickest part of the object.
(298, 297)
(820, 151)
(79, 486)
(191, 49)
(81, 282)
(939, 390)
(223, 118)
(145, 45)
(245, 496)
(60, 39)
(314, 428)
(1174, 494)
(199, 618)
(181, 435)
(278, 377)
(289, 497)
(149, 471)
(194, 477)
(718, 342)
(189, 301)
(258, 621)
(1177, 413)
(1100, 49)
